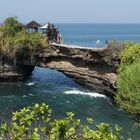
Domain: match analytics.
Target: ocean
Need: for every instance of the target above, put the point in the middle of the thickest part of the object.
(86, 35)
(61, 93)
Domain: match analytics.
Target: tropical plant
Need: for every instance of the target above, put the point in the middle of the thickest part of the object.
(26, 44)
(11, 27)
(36, 123)
(16, 42)
(128, 86)
(129, 55)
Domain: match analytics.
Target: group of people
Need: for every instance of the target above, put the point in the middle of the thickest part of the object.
(53, 33)
(100, 45)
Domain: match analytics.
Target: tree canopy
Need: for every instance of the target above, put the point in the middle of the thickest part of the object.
(14, 39)
(36, 123)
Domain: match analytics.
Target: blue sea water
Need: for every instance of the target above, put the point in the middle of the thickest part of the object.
(62, 93)
(87, 34)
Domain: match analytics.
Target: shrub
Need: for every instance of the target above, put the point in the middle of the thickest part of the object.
(35, 123)
(116, 44)
(16, 42)
(129, 55)
(128, 85)
(11, 27)
(25, 43)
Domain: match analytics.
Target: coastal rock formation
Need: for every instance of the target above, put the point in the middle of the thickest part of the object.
(9, 71)
(93, 68)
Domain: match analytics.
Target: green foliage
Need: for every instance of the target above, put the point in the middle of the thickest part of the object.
(27, 39)
(36, 123)
(128, 85)
(16, 42)
(129, 55)
(26, 44)
(11, 27)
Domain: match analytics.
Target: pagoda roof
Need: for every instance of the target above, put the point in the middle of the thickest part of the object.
(33, 24)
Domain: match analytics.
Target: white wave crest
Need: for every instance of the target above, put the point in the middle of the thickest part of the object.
(30, 84)
(91, 94)
(24, 96)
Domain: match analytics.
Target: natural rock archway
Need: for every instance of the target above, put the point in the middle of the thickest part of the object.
(94, 68)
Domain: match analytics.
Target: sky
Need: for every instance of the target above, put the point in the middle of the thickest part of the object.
(72, 11)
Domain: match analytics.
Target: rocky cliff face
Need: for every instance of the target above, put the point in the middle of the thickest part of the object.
(10, 73)
(92, 68)
(13, 72)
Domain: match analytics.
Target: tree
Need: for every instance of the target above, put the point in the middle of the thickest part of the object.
(36, 123)
(129, 55)
(16, 42)
(128, 86)
(11, 27)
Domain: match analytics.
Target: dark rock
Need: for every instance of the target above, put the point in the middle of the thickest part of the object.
(93, 68)
(14, 73)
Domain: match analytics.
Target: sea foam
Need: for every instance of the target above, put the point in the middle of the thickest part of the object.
(91, 94)
(30, 84)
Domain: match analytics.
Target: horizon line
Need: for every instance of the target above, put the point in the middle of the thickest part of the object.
(97, 22)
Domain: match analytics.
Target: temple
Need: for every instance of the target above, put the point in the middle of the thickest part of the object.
(32, 26)
(48, 29)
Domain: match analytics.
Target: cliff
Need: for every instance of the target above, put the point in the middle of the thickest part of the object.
(93, 68)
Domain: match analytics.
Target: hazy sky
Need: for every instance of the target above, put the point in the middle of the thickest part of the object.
(72, 11)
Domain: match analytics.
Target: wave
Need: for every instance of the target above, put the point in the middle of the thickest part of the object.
(30, 84)
(24, 96)
(91, 94)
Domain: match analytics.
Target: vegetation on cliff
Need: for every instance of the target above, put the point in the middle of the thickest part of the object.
(36, 123)
(129, 55)
(15, 41)
(128, 83)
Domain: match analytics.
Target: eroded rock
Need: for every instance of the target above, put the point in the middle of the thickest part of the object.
(93, 68)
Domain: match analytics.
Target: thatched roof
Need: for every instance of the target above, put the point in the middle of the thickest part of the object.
(33, 24)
